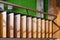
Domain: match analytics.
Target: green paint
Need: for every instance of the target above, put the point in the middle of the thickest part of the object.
(26, 3)
(46, 8)
(29, 4)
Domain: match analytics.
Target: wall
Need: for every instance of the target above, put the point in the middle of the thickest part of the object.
(26, 3)
(30, 4)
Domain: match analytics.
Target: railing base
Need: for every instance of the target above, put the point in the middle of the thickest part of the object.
(26, 39)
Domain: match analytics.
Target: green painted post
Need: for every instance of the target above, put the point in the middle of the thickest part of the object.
(46, 8)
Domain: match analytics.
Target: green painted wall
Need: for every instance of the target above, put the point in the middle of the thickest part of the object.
(26, 3)
(29, 4)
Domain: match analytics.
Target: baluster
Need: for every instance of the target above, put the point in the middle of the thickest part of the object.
(34, 27)
(17, 25)
(4, 23)
(23, 26)
(39, 27)
(10, 25)
(47, 28)
(29, 26)
(51, 29)
(43, 28)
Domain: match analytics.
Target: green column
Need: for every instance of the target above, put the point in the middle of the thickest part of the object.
(46, 8)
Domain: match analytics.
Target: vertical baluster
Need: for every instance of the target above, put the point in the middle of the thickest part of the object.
(17, 25)
(4, 24)
(34, 27)
(29, 26)
(47, 28)
(1, 20)
(10, 25)
(24, 26)
(43, 28)
(39, 27)
(51, 29)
